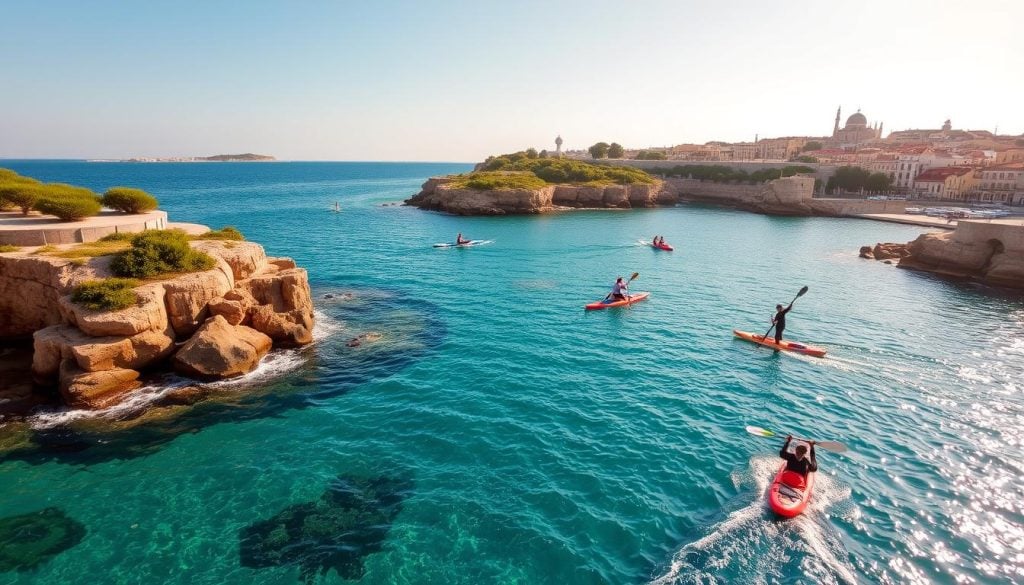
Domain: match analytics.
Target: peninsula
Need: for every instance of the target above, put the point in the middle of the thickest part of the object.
(247, 157)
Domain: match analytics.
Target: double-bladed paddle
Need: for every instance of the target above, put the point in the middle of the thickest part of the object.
(631, 279)
(802, 292)
(834, 446)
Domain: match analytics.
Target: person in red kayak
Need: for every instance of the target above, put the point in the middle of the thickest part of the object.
(799, 462)
(459, 240)
(620, 290)
(779, 321)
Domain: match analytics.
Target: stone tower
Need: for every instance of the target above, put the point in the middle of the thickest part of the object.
(835, 129)
(558, 146)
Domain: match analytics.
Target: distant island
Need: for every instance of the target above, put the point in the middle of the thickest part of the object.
(247, 157)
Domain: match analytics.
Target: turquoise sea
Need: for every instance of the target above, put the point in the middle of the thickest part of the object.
(497, 433)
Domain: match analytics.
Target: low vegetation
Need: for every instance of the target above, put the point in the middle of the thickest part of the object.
(46, 249)
(561, 171)
(650, 155)
(109, 294)
(157, 252)
(129, 200)
(858, 179)
(67, 202)
(93, 249)
(724, 174)
(225, 233)
(490, 180)
(8, 248)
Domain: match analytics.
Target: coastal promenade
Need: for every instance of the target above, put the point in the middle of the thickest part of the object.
(36, 229)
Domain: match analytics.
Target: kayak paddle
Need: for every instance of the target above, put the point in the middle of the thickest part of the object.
(834, 446)
(631, 279)
(802, 292)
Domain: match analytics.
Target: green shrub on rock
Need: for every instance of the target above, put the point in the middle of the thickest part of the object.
(156, 252)
(225, 233)
(129, 200)
(110, 294)
(67, 202)
(22, 196)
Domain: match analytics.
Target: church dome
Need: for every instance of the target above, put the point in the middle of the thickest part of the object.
(857, 120)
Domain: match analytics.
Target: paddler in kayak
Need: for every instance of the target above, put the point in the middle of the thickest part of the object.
(779, 321)
(459, 240)
(799, 462)
(620, 290)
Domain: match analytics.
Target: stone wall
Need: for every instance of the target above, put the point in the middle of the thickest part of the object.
(36, 230)
(821, 171)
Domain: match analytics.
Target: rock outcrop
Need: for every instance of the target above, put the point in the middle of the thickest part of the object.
(220, 350)
(228, 318)
(437, 194)
(992, 253)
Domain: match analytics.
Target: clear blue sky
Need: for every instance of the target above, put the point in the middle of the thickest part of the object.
(456, 81)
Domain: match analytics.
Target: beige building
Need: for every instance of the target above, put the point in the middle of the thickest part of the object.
(945, 183)
(1001, 184)
(855, 132)
(1010, 155)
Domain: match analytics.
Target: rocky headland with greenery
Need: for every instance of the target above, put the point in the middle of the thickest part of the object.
(525, 182)
(101, 314)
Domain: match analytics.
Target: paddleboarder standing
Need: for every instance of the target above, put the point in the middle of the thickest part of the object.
(779, 320)
(799, 462)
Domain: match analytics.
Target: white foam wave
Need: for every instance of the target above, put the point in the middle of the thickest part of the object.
(728, 545)
(275, 364)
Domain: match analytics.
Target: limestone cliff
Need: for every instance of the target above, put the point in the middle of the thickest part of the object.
(227, 317)
(437, 194)
(992, 253)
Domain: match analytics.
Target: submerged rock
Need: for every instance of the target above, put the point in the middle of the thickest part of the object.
(350, 521)
(29, 540)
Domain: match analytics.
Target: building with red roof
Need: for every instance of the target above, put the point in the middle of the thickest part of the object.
(945, 183)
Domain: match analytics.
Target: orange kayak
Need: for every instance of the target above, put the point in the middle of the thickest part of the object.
(785, 345)
(607, 304)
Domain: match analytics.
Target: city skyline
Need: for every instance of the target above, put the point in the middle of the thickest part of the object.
(457, 82)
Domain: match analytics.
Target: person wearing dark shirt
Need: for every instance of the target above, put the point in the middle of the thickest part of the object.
(779, 320)
(799, 462)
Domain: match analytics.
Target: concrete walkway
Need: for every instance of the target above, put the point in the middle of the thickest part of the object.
(36, 229)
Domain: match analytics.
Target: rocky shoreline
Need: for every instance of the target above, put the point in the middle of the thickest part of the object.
(207, 325)
(438, 194)
(991, 254)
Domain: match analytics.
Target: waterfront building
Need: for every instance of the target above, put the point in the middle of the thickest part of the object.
(945, 183)
(1001, 184)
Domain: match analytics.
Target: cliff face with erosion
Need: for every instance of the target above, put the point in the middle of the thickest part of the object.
(992, 253)
(211, 325)
(437, 194)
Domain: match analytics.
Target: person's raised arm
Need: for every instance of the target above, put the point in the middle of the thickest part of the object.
(785, 446)
(814, 460)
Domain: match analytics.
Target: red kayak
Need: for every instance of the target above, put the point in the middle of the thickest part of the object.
(609, 303)
(790, 492)
(665, 247)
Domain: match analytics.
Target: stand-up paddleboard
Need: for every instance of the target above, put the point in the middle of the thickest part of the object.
(784, 345)
(790, 492)
(464, 245)
(609, 303)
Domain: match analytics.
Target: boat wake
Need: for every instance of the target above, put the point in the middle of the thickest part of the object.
(752, 546)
